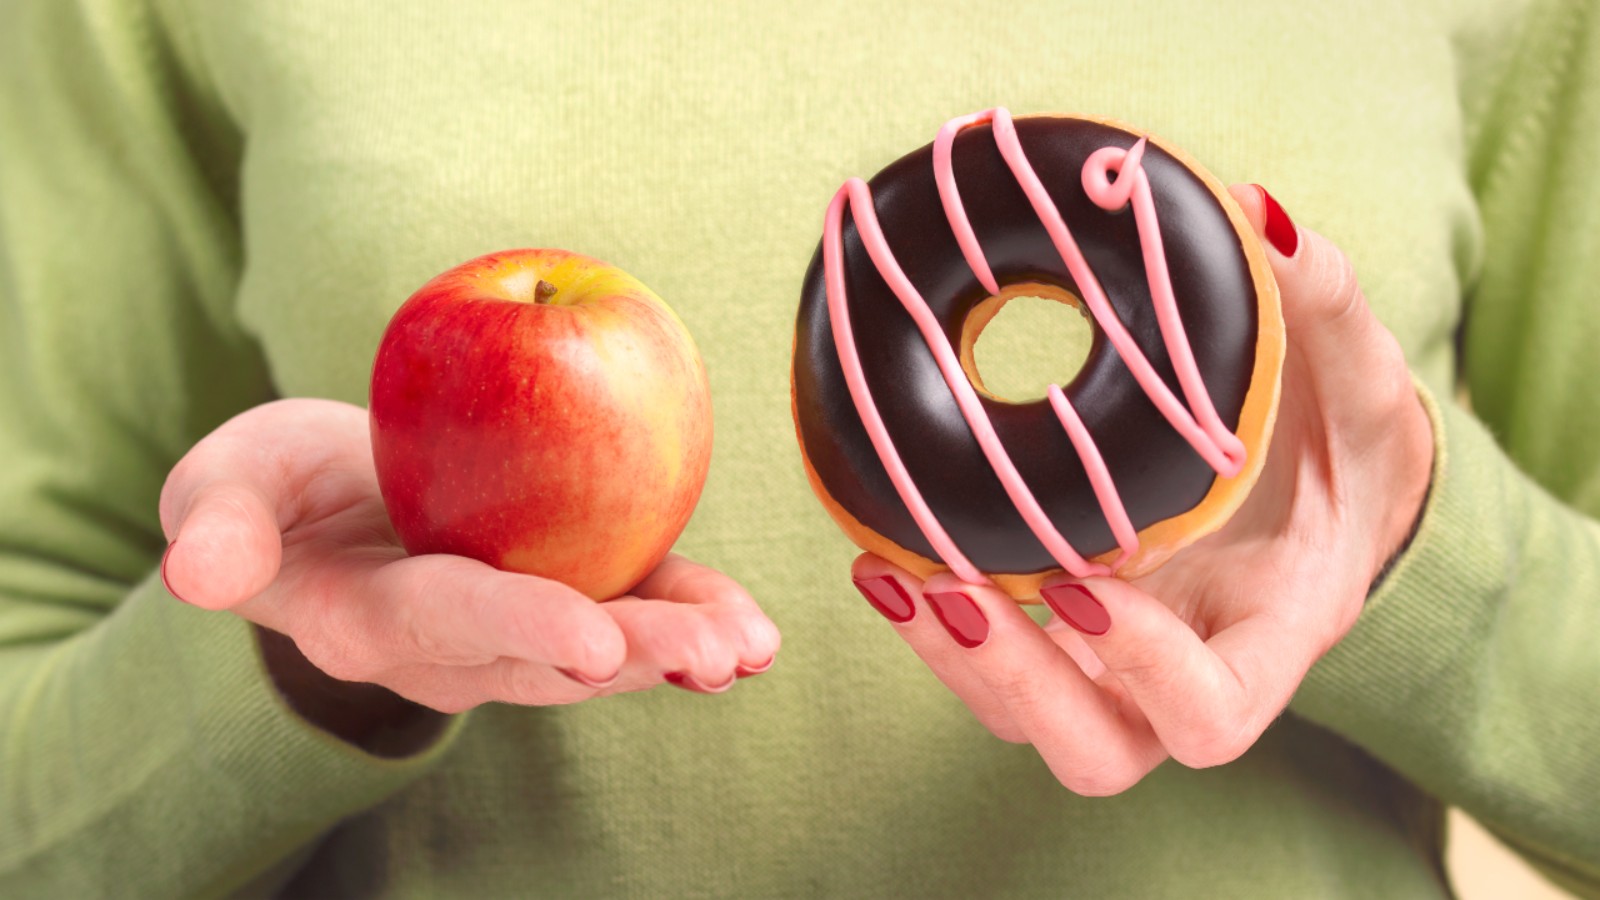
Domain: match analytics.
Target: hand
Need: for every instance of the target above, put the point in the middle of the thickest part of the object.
(276, 517)
(1195, 660)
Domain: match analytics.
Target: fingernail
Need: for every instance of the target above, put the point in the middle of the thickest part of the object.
(1077, 607)
(1280, 228)
(961, 617)
(687, 682)
(586, 681)
(887, 597)
(747, 671)
(164, 582)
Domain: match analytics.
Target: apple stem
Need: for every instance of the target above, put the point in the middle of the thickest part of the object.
(543, 291)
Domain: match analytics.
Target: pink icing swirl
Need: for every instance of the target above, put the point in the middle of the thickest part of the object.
(1202, 428)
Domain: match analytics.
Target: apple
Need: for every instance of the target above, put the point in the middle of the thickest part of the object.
(543, 412)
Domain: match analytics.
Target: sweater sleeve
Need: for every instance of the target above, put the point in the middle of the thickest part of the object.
(1474, 669)
(143, 750)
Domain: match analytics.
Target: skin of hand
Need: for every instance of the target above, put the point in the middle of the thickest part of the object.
(1195, 660)
(276, 517)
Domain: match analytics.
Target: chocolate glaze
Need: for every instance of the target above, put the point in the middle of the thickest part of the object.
(1157, 473)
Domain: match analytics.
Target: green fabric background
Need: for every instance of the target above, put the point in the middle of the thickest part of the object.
(203, 206)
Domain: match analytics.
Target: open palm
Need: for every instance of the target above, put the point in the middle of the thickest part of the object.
(276, 517)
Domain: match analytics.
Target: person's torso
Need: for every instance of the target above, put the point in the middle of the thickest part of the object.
(697, 149)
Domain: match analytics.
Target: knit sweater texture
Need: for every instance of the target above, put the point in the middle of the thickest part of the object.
(206, 206)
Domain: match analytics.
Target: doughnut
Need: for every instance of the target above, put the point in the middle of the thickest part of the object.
(1153, 444)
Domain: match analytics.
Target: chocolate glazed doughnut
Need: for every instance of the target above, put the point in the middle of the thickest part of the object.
(1152, 445)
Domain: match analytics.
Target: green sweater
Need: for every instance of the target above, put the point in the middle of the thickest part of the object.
(204, 206)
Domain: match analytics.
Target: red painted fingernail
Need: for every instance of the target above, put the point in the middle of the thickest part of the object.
(960, 616)
(747, 671)
(1078, 608)
(888, 597)
(687, 682)
(586, 681)
(164, 582)
(1280, 228)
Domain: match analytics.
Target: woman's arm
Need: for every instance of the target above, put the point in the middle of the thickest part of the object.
(161, 748)
(144, 750)
(1475, 669)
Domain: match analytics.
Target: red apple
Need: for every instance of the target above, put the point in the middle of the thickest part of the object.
(543, 412)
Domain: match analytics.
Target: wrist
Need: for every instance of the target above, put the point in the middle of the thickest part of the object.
(369, 716)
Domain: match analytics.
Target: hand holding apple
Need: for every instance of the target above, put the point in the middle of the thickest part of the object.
(276, 517)
(534, 409)
(545, 413)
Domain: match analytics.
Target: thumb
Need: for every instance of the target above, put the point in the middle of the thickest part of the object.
(1316, 280)
(226, 504)
(1325, 313)
(225, 546)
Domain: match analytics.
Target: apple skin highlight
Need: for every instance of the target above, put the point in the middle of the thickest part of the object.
(566, 437)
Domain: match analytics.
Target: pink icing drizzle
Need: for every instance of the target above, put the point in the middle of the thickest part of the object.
(850, 361)
(1203, 429)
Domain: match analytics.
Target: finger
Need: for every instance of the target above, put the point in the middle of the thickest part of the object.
(1068, 639)
(687, 645)
(680, 580)
(456, 689)
(1092, 745)
(1352, 363)
(1207, 702)
(226, 504)
(366, 618)
(1324, 309)
(895, 593)
(225, 549)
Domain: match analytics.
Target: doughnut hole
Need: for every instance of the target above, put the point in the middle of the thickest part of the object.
(1016, 343)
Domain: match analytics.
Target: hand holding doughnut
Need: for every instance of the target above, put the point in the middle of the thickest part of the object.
(1195, 660)
(276, 517)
